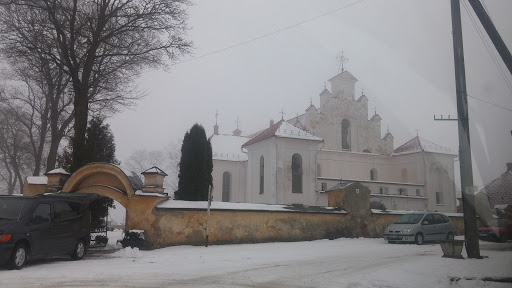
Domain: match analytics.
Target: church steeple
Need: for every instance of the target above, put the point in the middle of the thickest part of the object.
(237, 132)
(216, 127)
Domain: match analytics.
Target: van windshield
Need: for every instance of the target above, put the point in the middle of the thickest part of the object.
(12, 208)
(409, 219)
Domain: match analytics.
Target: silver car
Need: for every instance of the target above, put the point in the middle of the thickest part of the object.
(420, 227)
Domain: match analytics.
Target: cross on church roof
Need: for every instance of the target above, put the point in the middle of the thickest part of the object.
(282, 114)
(216, 116)
(342, 59)
(237, 122)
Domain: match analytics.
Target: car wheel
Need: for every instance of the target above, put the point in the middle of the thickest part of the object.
(18, 257)
(419, 239)
(450, 236)
(79, 251)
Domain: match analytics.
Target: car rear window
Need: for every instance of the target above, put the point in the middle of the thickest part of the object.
(12, 208)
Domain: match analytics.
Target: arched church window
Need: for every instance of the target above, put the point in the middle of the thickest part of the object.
(345, 134)
(296, 173)
(373, 174)
(318, 170)
(262, 174)
(404, 176)
(226, 186)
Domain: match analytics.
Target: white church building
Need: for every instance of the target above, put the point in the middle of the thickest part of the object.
(295, 161)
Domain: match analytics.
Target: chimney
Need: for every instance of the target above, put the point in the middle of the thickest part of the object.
(153, 180)
(271, 123)
(509, 167)
(216, 129)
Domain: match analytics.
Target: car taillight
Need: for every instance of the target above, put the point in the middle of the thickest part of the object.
(5, 237)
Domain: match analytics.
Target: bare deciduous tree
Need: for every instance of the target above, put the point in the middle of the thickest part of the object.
(14, 149)
(102, 45)
(166, 159)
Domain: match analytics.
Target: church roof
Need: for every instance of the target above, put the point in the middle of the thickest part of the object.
(362, 97)
(325, 91)
(344, 75)
(311, 107)
(228, 147)
(282, 129)
(419, 144)
(376, 117)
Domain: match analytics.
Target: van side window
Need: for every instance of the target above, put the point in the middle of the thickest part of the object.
(438, 219)
(429, 218)
(42, 213)
(64, 211)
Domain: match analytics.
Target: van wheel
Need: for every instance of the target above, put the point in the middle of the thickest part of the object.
(419, 239)
(79, 251)
(18, 257)
(450, 236)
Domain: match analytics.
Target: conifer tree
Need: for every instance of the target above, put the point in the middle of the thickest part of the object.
(196, 166)
(100, 146)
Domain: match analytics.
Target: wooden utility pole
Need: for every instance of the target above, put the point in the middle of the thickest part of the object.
(208, 214)
(493, 33)
(466, 168)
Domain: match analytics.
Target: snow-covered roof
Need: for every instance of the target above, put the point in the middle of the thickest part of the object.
(282, 129)
(180, 204)
(499, 190)
(419, 144)
(58, 171)
(154, 170)
(228, 147)
(37, 180)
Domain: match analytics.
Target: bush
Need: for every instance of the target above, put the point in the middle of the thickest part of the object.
(133, 238)
(377, 205)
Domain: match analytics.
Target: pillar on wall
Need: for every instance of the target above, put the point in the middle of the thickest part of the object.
(56, 179)
(153, 180)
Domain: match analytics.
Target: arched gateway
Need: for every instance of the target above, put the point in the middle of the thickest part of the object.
(123, 186)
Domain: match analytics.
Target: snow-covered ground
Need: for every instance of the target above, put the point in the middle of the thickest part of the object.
(322, 263)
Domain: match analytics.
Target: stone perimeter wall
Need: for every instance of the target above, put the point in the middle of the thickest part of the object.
(171, 226)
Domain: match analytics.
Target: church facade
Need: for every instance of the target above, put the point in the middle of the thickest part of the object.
(295, 161)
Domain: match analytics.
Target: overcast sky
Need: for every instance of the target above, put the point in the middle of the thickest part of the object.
(400, 51)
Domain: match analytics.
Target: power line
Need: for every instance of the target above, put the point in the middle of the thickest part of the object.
(488, 102)
(487, 46)
(268, 34)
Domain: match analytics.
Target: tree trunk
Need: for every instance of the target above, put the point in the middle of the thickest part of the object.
(80, 127)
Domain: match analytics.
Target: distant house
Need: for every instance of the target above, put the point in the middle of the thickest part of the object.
(496, 195)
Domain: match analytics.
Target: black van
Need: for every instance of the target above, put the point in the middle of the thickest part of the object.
(43, 226)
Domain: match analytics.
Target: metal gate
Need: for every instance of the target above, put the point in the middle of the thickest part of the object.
(99, 216)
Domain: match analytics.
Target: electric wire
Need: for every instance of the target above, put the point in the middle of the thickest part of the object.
(491, 103)
(487, 45)
(268, 34)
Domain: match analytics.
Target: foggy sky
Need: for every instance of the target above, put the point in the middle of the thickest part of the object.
(400, 51)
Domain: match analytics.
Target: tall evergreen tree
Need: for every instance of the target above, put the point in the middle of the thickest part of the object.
(196, 166)
(100, 146)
